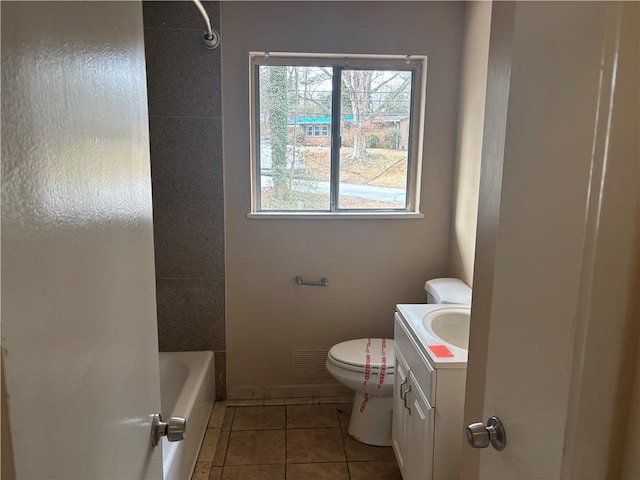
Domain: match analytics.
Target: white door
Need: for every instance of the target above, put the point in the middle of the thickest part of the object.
(552, 166)
(79, 341)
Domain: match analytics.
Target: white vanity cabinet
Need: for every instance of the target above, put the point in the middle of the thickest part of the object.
(400, 421)
(428, 404)
(412, 423)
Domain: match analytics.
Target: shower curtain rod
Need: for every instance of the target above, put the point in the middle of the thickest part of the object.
(211, 38)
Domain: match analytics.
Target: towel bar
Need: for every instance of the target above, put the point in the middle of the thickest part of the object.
(324, 282)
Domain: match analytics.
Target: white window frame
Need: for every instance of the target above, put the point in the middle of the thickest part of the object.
(415, 63)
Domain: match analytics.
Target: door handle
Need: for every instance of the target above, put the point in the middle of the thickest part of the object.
(173, 429)
(404, 382)
(480, 436)
(404, 398)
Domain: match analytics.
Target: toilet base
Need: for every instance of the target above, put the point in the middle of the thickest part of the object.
(371, 418)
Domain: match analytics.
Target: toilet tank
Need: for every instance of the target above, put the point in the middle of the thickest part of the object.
(448, 290)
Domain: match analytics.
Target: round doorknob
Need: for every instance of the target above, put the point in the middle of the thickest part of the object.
(480, 436)
(477, 435)
(173, 429)
(176, 426)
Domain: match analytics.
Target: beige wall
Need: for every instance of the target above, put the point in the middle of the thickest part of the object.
(466, 179)
(371, 264)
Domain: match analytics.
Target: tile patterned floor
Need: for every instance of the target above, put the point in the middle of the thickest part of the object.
(288, 440)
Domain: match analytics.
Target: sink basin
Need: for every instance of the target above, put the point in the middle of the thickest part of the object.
(450, 325)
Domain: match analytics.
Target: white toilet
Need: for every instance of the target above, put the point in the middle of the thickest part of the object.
(366, 365)
(448, 290)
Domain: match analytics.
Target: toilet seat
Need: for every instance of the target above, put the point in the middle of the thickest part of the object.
(360, 354)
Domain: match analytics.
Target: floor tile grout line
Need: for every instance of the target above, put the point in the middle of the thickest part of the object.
(226, 448)
(344, 443)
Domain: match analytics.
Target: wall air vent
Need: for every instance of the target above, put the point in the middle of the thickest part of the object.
(308, 362)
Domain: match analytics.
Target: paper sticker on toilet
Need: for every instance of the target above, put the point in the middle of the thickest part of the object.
(363, 405)
(441, 351)
(383, 370)
(367, 368)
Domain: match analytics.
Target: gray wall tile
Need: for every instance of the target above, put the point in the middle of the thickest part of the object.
(186, 311)
(220, 359)
(217, 310)
(186, 157)
(182, 14)
(183, 76)
(189, 239)
(183, 84)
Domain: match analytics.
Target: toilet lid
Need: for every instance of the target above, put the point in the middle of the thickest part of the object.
(363, 352)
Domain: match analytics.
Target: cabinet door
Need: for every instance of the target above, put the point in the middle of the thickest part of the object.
(419, 445)
(400, 412)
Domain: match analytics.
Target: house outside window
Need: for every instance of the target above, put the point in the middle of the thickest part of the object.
(336, 135)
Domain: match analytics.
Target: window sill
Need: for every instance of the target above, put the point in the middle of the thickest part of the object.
(334, 215)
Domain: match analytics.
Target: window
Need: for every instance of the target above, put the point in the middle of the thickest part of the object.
(316, 130)
(336, 135)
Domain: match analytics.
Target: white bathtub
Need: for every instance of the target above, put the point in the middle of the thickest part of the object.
(187, 389)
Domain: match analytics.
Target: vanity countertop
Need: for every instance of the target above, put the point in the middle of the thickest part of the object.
(440, 353)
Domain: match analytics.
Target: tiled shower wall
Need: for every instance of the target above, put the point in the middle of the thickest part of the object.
(185, 128)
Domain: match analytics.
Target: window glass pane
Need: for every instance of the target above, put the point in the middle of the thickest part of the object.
(375, 110)
(294, 162)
